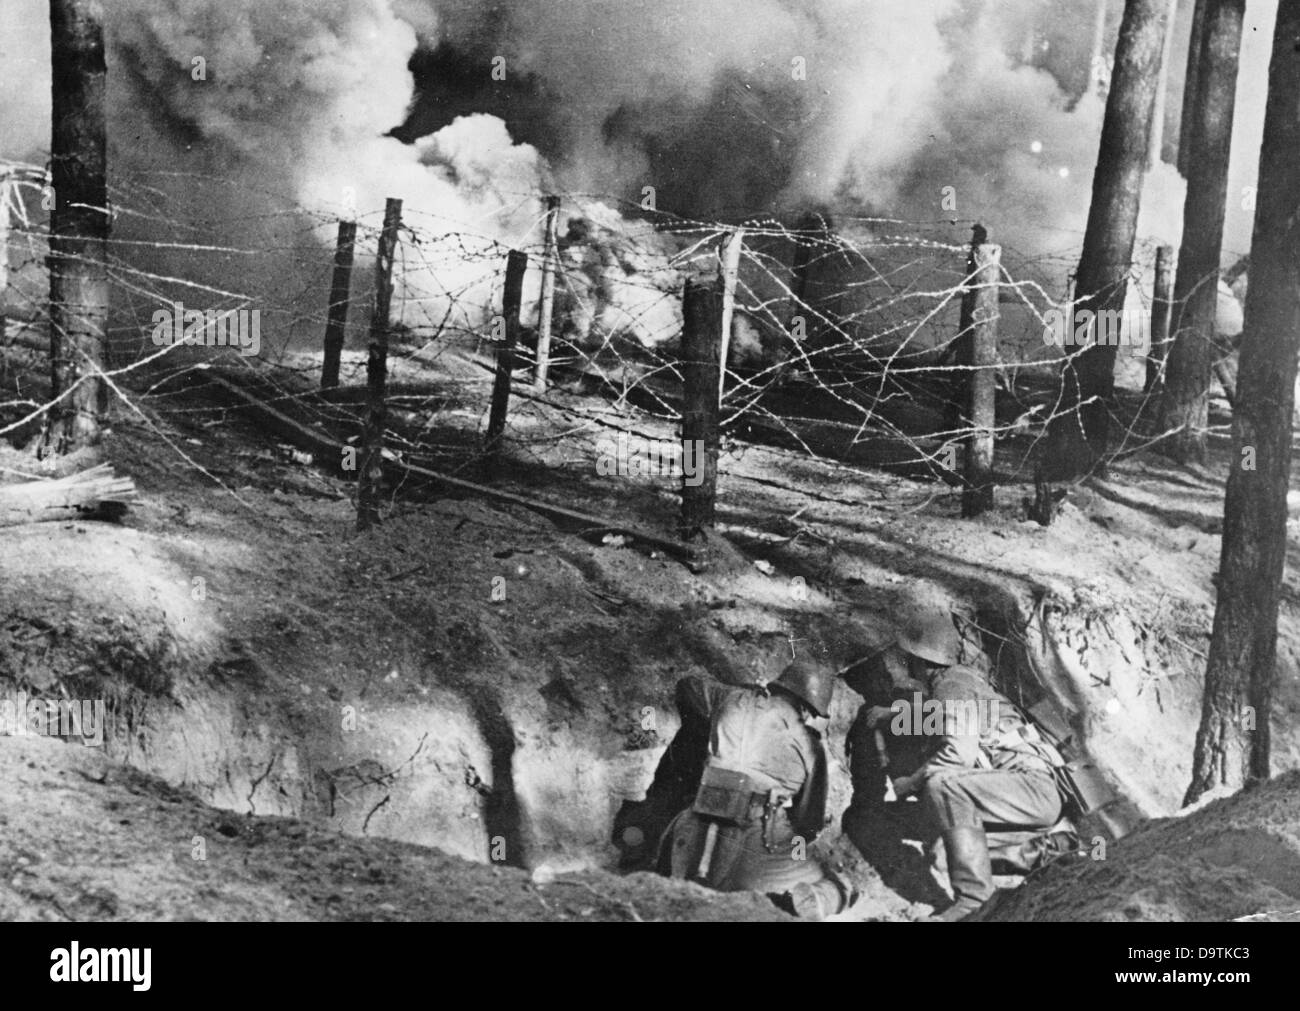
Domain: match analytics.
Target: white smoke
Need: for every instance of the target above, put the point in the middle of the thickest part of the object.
(883, 105)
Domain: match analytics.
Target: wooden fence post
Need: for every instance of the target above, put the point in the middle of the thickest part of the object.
(516, 264)
(340, 288)
(977, 496)
(547, 308)
(371, 470)
(728, 274)
(961, 350)
(701, 347)
(1162, 308)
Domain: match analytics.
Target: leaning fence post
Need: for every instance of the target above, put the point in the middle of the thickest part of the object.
(340, 287)
(1162, 309)
(977, 496)
(547, 307)
(701, 346)
(516, 264)
(728, 273)
(371, 469)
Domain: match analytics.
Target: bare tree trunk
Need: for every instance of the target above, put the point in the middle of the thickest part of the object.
(546, 308)
(1079, 433)
(1232, 744)
(1184, 404)
(79, 222)
(1191, 82)
(728, 274)
(1162, 308)
(1156, 142)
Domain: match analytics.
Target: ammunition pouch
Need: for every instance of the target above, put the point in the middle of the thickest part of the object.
(726, 796)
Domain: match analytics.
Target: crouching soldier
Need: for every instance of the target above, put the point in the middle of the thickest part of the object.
(760, 798)
(988, 768)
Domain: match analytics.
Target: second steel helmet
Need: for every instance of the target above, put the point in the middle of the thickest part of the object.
(811, 682)
(933, 638)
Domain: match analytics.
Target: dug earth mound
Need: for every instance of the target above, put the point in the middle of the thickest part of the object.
(471, 680)
(1236, 858)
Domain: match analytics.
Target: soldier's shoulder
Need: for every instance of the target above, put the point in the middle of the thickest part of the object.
(699, 694)
(960, 677)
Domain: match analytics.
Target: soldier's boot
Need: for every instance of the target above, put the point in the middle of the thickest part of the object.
(970, 871)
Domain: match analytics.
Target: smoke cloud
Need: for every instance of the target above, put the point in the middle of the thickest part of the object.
(727, 108)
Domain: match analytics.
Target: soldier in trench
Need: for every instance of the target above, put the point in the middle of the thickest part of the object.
(993, 777)
(747, 776)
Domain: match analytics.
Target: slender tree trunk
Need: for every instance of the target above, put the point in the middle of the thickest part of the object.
(1232, 744)
(1191, 82)
(1079, 432)
(1162, 311)
(546, 308)
(1184, 404)
(79, 222)
(1156, 142)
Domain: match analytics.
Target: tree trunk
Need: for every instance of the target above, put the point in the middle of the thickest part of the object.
(79, 222)
(1162, 309)
(1156, 142)
(1232, 744)
(1191, 82)
(546, 308)
(1080, 431)
(1184, 404)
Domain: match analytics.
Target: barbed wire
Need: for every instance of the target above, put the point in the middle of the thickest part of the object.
(842, 345)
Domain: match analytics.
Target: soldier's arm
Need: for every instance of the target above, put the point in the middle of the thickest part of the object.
(954, 749)
(679, 770)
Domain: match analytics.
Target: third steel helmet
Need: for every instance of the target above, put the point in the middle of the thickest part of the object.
(811, 682)
(933, 638)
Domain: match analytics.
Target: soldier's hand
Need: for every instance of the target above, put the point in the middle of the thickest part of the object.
(905, 785)
(878, 715)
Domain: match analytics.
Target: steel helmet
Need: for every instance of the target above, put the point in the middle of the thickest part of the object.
(932, 638)
(811, 682)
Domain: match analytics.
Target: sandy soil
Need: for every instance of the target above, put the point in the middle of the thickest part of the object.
(472, 678)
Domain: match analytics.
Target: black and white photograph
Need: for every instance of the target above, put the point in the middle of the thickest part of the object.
(632, 461)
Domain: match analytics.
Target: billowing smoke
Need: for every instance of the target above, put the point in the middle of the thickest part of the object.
(234, 111)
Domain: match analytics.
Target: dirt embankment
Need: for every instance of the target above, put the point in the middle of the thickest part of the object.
(468, 677)
(86, 838)
(1234, 858)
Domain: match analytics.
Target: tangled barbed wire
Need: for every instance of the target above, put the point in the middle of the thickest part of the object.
(841, 343)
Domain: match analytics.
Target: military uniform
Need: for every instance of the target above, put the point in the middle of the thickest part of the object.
(995, 775)
(757, 738)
